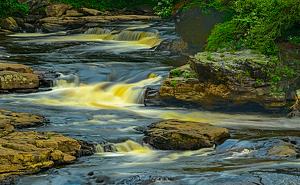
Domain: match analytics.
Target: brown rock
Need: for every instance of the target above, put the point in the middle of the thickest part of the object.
(9, 24)
(20, 152)
(183, 135)
(73, 13)
(15, 67)
(14, 80)
(56, 10)
(5, 32)
(88, 11)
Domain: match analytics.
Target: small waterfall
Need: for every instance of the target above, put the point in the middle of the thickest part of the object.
(98, 149)
(98, 31)
(104, 147)
(131, 146)
(131, 36)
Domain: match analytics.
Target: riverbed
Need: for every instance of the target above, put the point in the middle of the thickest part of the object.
(99, 97)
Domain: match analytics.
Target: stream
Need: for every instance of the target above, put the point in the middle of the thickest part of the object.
(99, 97)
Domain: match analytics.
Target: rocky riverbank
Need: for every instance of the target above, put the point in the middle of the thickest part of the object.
(31, 152)
(55, 16)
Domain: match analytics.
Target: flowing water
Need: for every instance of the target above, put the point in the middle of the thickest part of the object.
(99, 97)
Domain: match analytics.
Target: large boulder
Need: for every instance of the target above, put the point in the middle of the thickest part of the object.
(9, 24)
(73, 13)
(56, 10)
(182, 135)
(194, 26)
(226, 80)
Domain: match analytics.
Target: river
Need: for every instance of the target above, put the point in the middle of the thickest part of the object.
(99, 98)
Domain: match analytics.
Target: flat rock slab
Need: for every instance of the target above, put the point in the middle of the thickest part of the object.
(182, 135)
(15, 67)
(30, 152)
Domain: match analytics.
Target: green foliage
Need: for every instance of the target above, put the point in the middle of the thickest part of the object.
(206, 5)
(176, 73)
(164, 8)
(222, 36)
(188, 76)
(103, 5)
(9, 7)
(256, 24)
(173, 83)
(49, 136)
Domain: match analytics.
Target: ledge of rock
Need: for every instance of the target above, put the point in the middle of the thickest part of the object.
(224, 80)
(182, 135)
(23, 79)
(31, 152)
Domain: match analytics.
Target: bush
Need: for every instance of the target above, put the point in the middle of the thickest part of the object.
(9, 7)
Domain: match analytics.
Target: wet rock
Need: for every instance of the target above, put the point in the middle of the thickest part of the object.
(274, 148)
(13, 80)
(31, 18)
(224, 80)
(103, 179)
(56, 10)
(88, 11)
(49, 27)
(29, 28)
(295, 109)
(11, 120)
(9, 24)
(16, 68)
(5, 32)
(182, 135)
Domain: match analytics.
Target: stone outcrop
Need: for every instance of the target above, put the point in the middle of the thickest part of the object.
(223, 80)
(33, 5)
(56, 10)
(9, 24)
(17, 76)
(78, 22)
(182, 135)
(31, 152)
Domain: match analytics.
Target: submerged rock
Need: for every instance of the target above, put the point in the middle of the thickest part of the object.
(274, 148)
(182, 135)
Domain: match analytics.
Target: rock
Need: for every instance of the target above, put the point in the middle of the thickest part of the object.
(14, 80)
(73, 13)
(182, 135)
(5, 32)
(33, 5)
(194, 26)
(16, 68)
(31, 18)
(88, 11)
(148, 10)
(56, 10)
(78, 22)
(274, 148)
(18, 77)
(31, 152)
(29, 28)
(50, 27)
(13, 120)
(9, 24)
(295, 109)
(225, 80)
